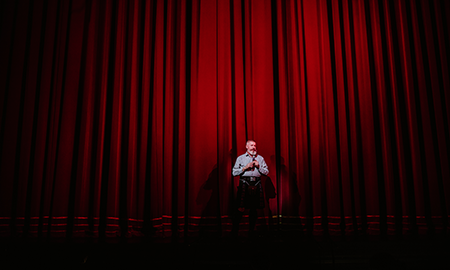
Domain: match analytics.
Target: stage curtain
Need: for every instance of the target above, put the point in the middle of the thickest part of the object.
(124, 118)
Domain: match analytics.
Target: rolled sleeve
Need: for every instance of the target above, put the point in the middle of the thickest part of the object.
(263, 168)
(237, 169)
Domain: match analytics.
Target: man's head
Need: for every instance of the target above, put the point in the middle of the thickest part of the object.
(251, 147)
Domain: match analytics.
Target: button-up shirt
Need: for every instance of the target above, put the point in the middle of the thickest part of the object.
(246, 158)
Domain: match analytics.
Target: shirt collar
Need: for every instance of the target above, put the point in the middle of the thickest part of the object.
(248, 155)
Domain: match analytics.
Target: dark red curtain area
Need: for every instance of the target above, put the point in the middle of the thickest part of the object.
(126, 117)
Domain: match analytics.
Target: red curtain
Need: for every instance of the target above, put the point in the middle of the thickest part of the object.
(125, 117)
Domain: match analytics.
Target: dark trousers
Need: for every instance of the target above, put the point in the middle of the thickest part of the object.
(237, 217)
(248, 197)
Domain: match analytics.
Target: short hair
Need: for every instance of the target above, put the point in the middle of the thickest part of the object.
(249, 141)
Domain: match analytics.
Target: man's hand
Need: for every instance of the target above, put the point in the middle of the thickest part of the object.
(249, 165)
(256, 164)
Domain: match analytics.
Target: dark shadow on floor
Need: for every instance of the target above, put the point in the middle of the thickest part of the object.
(274, 251)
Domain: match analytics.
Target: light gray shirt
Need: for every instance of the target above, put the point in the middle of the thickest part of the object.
(246, 158)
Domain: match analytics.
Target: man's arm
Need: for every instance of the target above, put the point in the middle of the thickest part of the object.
(238, 168)
(263, 168)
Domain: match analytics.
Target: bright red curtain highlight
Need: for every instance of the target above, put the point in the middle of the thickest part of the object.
(126, 117)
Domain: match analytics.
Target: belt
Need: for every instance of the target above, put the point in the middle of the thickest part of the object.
(251, 178)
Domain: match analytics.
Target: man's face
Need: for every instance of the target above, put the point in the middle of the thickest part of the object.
(251, 148)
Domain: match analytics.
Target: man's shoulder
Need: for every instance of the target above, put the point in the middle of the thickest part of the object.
(242, 156)
(259, 156)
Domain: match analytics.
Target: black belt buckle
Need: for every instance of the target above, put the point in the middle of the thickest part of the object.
(250, 179)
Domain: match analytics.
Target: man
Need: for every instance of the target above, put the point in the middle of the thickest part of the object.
(249, 167)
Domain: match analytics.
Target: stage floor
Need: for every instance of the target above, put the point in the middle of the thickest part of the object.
(262, 252)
